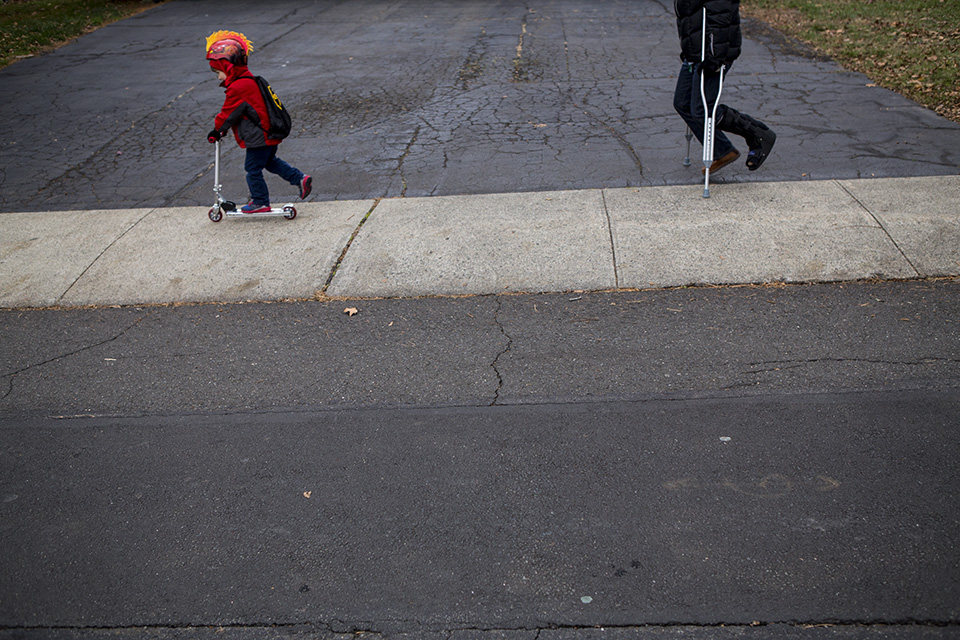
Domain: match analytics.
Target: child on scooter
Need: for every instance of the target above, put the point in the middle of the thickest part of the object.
(245, 112)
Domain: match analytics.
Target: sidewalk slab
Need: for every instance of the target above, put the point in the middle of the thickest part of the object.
(922, 215)
(530, 242)
(747, 233)
(178, 254)
(43, 254)
(812, 231)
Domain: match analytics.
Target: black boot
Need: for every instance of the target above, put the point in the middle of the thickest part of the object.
(759, 137)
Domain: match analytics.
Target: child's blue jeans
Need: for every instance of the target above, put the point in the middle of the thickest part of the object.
(689, 104)
(261, 158)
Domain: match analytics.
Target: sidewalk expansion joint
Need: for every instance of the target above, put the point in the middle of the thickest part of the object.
(880, 224)
(101, 254)
(346, 248)
(613, 245)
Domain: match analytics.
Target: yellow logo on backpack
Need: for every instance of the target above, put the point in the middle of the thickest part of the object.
(280, 121)
(276, 98)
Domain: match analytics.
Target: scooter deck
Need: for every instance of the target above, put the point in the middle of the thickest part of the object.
(287, 211)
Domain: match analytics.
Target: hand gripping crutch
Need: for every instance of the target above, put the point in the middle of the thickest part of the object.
(710, 116)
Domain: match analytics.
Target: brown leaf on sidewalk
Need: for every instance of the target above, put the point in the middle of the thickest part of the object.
(351, 311)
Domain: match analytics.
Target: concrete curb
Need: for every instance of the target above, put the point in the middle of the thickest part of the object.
(823, 231)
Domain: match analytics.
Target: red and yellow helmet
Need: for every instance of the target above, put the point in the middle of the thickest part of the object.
(232, 46)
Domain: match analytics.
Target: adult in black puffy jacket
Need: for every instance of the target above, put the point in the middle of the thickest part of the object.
(723, 44)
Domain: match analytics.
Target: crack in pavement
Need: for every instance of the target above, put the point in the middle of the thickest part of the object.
(616, 134)
(148, 130)
(12, 375)
(403, 156)
(473, 66)
(504, 351)
(521, 70)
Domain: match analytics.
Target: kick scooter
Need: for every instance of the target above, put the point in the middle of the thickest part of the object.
(223, 207)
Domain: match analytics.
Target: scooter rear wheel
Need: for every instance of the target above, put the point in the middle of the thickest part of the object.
(289, 213)
(215, 214)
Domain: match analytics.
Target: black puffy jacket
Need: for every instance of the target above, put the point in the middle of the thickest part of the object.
(724, 40)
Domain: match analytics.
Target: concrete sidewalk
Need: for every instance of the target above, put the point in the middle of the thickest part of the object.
(823, 231)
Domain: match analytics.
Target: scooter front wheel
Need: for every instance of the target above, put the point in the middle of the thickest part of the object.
(215, 214)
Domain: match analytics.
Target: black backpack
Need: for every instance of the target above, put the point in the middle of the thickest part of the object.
(280, 122)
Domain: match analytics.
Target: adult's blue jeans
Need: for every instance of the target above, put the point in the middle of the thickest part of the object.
(689, 104)
(261, 158)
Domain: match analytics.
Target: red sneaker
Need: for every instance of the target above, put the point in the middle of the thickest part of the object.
(252, 207)
(306, 186)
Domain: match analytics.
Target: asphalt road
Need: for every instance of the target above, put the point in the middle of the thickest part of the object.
(787, 509)
(680, 463)
(477, 351)
(399, 98)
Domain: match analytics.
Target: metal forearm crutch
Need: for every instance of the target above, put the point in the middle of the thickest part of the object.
(689, 134)
(709, 122)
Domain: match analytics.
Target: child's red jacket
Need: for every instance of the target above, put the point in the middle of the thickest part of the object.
(243, 110)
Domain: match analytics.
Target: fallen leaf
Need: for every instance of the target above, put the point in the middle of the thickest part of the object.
(351, 311)
(306, 494)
